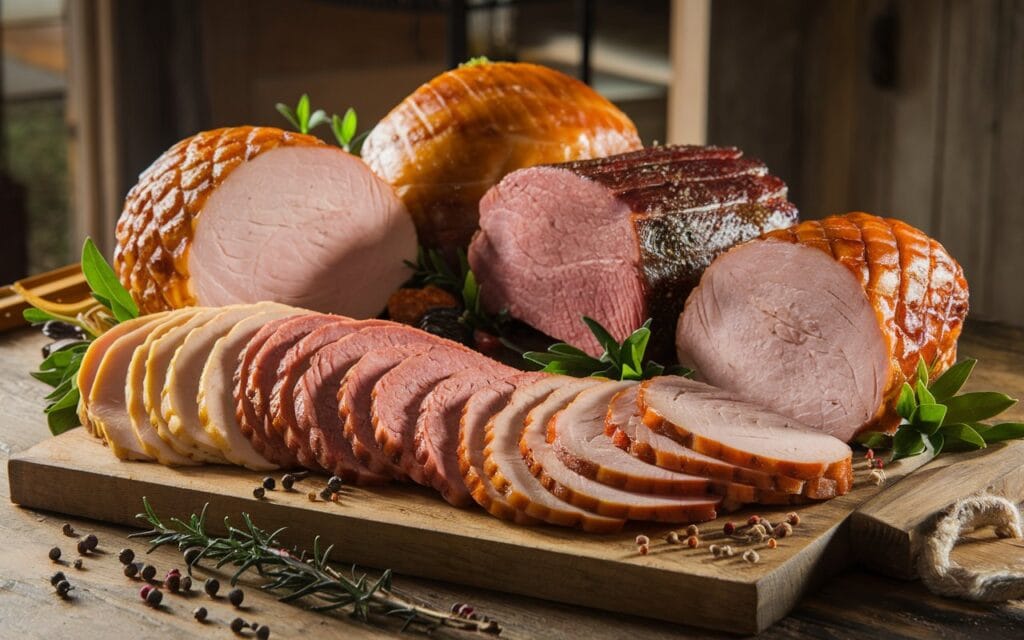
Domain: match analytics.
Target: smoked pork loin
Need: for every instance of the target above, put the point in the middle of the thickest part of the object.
(824, 321)
(246, 214)
(618, 239)
(447, 143)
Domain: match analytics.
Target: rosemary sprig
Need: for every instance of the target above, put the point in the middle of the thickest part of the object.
(935, 412)
(431, 268)
(59, 369)
(619, 361)
(343, 127)
(297, 575)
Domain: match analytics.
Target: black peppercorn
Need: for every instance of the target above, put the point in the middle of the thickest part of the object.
(91, 542)
(326, 493)
(211, 587)
(263, 633)
(287, 481)
(126, 556)
(63, 587)
(55, 554)
(154, 597)
(192, 555)
(186, 584)
(57, 577)
(334, 484)
(173, 582)
(131, 570)
(78, 563)
(269, 484)
(148, 572)
(237, 625)
(235, 597)
(68, 530)
(259, 493)
(83, 547)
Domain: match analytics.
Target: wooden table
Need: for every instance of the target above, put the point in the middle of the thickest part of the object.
(106, 605)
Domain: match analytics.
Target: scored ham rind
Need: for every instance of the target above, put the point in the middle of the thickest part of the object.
(255, 381)
(509, 474)
(316, 398)
(590, 494)
(293, 365)
(477, 412)
(826, 320)
(437, 431)
(702, 418)
(398, 394)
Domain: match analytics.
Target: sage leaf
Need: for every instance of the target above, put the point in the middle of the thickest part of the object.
(922, 371)
(1003, 431)
(907, 402)
(35, 316)
(937, 441)
(349, 123)
(962, 434)
(70, 399)
(302, 113)
(104, 283)
(907, 443)
(605, 339)
(924, 396)
(288, 113)
(875, 440)
(977, 406)
(63, 420)
(318, 118)
(949, 383)
(51, 377)
(928, 418)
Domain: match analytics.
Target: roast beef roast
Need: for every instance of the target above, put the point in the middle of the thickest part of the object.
(455, 136)
(618, 239)
(824, 321)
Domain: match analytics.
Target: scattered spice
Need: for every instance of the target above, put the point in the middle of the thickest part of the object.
(63, 588)
(644, 549)
(751, 556)
(783, 530)
(83, 547)
(715, 550)
(199, 613)
(287, 481)
(154, 598)
(125, 556)
(729, 528)
(148, 572)
(752, 520)
(259, 493)
(235, 597)
(57, 577)
(693, 542)
(773, 543)
(869, 454)
(793, 518)
(186, 584)
(131, 570)
(312, 496)
(77, 563)
(642, 539)
(269, 484)
(238, 624)
(211, 587)
(68, 530)
(144, 591)
(173, 582)
(693, 530)
(877, 477)
(335, 483)
(91, 542)
(263, 633)
(672, 537)
(326, 493)
(54, 554)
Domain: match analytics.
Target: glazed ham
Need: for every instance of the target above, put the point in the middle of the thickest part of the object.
(455, 136)
(245, 214)
(618, 239)
(824, 321)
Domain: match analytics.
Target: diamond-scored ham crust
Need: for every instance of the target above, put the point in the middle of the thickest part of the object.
(917, 289)
(156, 228)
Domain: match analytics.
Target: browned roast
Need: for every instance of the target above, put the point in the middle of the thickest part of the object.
(618, 239)
(398, 394)
(316, 396)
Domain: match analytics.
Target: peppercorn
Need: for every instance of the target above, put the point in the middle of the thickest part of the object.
(752, 556)
(269, 484)
(259, 493)
(644, 549)
(715, 550)
(287, 481)
(783, 530)
(752, 520)
(235, 597)
(773, 543)
(91, 542)
(57, 577)
(131, 570)
(144, 591)
(464, 611)
(83, 547)
(793, 518)
(254, 625)
(729, 528)
(311, 496)
(334, 484)
(186, 584)
(154, 597)
(126, 556)
(148, 572)
(63, 587)
(68, 530)
(173, 583)
(263, 633)
(192, 555)
(237, 625)
(693, 542)
(672, 537)
(693, 530)
(78, 563)
(869, 454)
(212, 586)
(199, 614)
(642, 539)
(55, 554)
(326, 493)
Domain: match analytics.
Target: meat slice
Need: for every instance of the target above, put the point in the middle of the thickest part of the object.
(509, 474)
(398, 394)
(316, 398)
(618, 239)
(706, 420)
(624, 424)
(455, 136)
(246, 214)
(437, 430)
(257, 371)
(824, 321)
(589, 494)
(295, 363)
(135, 381)
(477, 412)
(106, 407)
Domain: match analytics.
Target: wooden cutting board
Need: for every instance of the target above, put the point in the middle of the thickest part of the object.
(413, 532)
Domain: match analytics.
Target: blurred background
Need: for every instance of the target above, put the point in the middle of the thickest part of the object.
(912, 108)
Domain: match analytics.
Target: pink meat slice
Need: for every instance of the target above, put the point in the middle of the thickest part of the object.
(316, 397)
(398, 394)
(258, 381)
(295, 363)
(437, 431)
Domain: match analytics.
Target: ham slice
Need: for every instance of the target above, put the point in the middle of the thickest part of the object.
(710, 422)
(477, 412)
(824, 321)
(589, 494)
(246, 214)
(618, 239)
(509, 474)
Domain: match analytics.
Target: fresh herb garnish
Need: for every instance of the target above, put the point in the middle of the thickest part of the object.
(932, 412)
(343, 127)
(297, 575)
(431, 268)
(618, 362)
(59, 369)
(475, 61)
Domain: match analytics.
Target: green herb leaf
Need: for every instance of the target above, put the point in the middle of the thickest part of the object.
(302, 113)
(604, 338)
(922, 371)
(1003, 431)
(475, 62)
(937, 441)
(348, 125)
(907, 403)
(318, 118)
(949, 383)
(962, 434)
(907, 443)
(977, 406)
(928, 418)
(63, 420)
(875, 440)
(104, 283)
(924, 396)
(289, 115)
(35, 316)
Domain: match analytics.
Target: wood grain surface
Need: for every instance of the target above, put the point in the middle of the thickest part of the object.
(854, 604)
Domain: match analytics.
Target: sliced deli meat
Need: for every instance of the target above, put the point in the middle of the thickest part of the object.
(824, 321)
(744, 434)
(455, 136)
(246, 214)
(509, 474)
(618, 239)
(589, 494)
